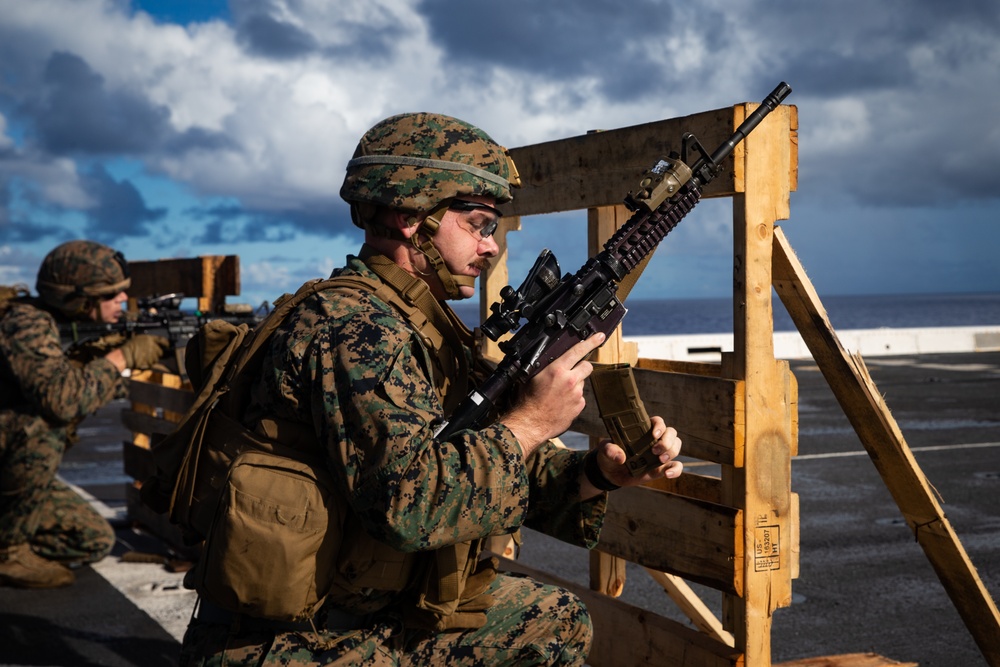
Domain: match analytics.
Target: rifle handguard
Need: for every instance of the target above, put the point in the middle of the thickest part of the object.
(624, 415)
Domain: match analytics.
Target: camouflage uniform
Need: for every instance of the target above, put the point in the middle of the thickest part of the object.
(43, 396)
(351, 366)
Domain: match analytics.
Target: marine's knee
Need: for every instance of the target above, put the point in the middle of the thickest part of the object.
(575, 632)
(103, 541)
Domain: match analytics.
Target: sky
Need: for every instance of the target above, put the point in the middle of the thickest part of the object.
(203, 127)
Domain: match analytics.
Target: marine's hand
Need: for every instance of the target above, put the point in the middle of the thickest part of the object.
(144, 350)
(553, 398)
(89, 350)
(611, 460)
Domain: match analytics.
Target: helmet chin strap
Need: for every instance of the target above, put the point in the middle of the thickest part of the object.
(450, 281)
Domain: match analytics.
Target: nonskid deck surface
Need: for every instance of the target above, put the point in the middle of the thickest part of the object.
(865, 585)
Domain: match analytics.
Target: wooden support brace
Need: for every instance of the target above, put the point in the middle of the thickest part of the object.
(692, 606)
(607, 573)
(759, 481)
(635, 636)
(861, 401)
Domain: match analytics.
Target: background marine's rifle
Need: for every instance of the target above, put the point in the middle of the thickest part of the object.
(156, 315)
(560, 311)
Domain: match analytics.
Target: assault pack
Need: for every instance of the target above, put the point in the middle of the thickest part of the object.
(211, 451)
(286, 542)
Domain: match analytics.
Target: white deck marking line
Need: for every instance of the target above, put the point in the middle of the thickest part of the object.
(151, 588)
(929, 448)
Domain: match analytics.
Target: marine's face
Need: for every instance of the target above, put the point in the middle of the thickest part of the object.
(109, 309)
(465, 238)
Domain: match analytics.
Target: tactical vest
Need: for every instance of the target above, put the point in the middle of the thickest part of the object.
(440, 582)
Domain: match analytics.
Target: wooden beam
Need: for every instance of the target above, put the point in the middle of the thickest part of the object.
(209, 279)
(169, 399)
(138, 422)
(847, 660)
(607, 573)
(692, 606)
(691, 485)
(600, 168)
(760, 482)
(495, 279)
(707, 412)
(635, 636)
(857, 394)
(669, 533)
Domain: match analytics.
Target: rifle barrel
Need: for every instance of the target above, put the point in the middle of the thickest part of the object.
(769, 104)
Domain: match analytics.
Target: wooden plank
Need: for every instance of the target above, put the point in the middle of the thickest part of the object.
(214, 276)
(668, 533)
(793, 141)
(166, 398)
(707, 412)
(692, 606)
(791, 388)
(600, 168)
(495, 279)
(847, 660)
(686, 367)
(637, 636)
(861, 401)
(763, 466)
(222, 278)
(138, 422)
(607, 573)
(691, 485)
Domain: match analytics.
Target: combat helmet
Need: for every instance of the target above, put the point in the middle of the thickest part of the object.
(76, 274)
(419, 162)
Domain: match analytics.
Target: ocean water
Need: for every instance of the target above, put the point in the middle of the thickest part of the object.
(895, 311)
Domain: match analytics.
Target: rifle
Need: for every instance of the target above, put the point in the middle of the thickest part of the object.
(156, 315)
(560, 311)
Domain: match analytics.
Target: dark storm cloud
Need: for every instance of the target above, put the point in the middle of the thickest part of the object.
(919, 70)
(236, 224)
(592, 38)
(198, 139)
(120, 209)
(835, 75)
(262, 33)
(270, 37)
(77, 113)
(15, 226)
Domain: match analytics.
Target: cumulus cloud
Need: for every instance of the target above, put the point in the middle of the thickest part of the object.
(257, 114)
(119, 209)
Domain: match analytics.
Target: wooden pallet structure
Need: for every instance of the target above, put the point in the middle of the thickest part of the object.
(159, 399)
(736, 533)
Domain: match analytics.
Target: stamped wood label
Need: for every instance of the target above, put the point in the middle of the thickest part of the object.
(767, 548)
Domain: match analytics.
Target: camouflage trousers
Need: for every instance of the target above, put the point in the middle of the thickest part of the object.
(36, 507)
(529, 624)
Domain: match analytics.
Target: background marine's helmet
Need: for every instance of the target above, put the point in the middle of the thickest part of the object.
(77, 273)
(415, 161)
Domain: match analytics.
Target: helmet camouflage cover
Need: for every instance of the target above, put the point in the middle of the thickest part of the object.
(76, 273)
(415, 161)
